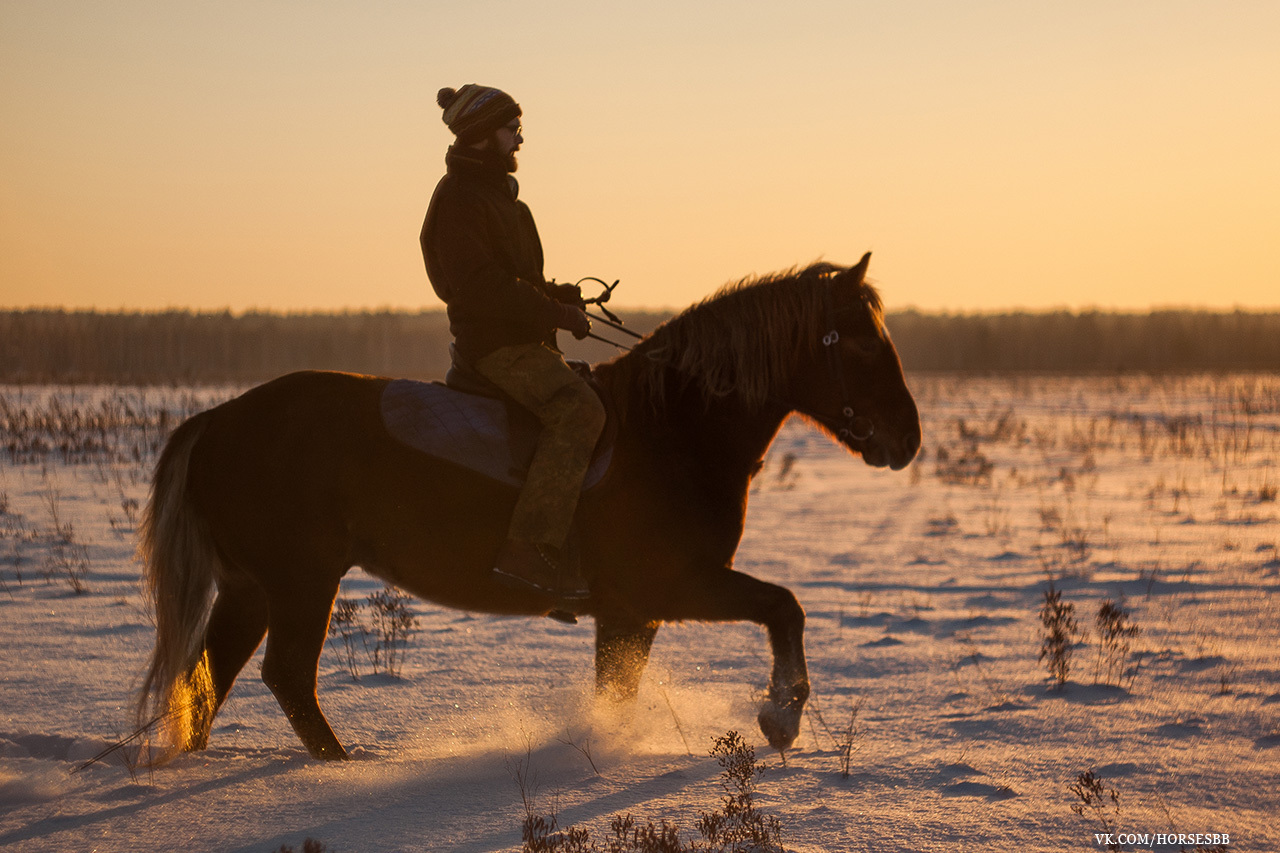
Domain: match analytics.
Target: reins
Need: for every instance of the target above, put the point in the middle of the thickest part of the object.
(612, 325)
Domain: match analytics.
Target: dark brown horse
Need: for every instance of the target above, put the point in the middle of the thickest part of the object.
(260, 505)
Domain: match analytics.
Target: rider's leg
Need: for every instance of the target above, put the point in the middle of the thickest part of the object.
(572, 417)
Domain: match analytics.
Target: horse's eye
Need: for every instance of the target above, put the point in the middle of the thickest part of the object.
(863, 346)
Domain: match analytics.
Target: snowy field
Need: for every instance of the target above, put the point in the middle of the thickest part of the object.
(923, 588)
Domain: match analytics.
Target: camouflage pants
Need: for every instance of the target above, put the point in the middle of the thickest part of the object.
(572, 417)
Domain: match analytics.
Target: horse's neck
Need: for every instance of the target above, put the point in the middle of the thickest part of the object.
(726, 439)
(743, 435)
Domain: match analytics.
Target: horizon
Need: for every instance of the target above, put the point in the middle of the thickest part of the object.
(622, 310)
(995, 158)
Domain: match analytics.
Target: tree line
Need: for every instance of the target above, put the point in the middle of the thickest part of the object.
(1167, 341)
(178, 347)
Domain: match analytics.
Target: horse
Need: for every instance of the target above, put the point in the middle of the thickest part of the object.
(259, 506)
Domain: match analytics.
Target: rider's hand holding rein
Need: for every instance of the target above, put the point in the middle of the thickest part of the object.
(574, 320)
(570, 294)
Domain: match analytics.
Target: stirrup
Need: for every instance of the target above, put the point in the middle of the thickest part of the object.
(552, 584)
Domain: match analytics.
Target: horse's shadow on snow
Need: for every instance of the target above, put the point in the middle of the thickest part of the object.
(437, 803)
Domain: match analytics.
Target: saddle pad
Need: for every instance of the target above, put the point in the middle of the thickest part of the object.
(479, 433)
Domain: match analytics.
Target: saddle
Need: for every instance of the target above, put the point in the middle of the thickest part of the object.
(469, 421)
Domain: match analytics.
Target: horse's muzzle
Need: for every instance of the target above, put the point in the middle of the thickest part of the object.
(891, 451)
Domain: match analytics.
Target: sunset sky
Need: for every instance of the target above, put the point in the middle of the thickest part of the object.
(992, 155)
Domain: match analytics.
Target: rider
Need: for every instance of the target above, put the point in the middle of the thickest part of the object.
(484, 260)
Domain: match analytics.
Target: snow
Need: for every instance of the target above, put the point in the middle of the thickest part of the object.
(923, 590)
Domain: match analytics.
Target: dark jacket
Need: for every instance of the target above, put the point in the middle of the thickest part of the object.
(484, 258)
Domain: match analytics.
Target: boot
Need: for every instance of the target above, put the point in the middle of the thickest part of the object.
(543, 569)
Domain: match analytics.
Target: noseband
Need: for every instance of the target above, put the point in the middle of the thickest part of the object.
(855, 428)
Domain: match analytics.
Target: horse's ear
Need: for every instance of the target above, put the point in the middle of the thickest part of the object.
(859, 272)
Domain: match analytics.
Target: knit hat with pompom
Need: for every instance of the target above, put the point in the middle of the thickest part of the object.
(473, 111)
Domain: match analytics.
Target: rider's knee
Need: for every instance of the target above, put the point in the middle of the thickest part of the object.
(581, 406)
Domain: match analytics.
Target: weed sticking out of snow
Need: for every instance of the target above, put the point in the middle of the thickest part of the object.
(1060, 630)
(737, 825)
(310, 845)
(1099, 802)
(847, 738)
(380, 626)
(1115, 633)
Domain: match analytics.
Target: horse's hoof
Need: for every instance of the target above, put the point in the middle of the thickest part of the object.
(329, 752)
(780, 733)
(779, 724)
(780, 720)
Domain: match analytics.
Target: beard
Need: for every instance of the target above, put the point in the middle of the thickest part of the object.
(509, 159)
(490, 149)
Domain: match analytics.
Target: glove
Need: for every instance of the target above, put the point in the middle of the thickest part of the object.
(569, 294)
(573, 319)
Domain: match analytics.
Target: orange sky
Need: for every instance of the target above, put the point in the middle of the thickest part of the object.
(992, 155)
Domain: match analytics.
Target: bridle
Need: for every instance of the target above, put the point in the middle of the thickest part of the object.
(856, 427)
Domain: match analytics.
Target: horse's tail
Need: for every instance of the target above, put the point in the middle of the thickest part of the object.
(180, 563)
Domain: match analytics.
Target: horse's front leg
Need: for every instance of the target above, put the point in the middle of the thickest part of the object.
(783, 706)
(730, 596)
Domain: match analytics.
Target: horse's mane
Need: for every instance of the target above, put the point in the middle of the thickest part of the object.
(742, 340)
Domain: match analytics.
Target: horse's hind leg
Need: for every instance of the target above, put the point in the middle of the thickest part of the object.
(622, 650)
(236, 627)
(296, 630)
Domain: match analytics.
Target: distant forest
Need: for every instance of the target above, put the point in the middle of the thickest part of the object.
(202, 348)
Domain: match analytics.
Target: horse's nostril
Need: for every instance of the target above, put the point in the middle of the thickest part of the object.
(913, 442)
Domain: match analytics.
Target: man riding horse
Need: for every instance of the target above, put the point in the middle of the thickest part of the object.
(484, 259)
